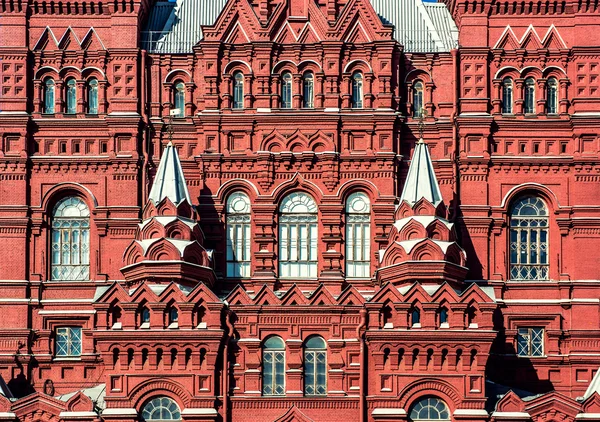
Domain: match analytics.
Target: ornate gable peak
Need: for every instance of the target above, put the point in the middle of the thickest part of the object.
(202, 291)
(294, 296)
(508, 40)
(91, 41)
(445, 292)
(236, 15)
(389, 292)
(510, 403)
(553, 403)
(553, 40)
(360, 14)
(531, 39)
(115, 291)
(144, 292)
(416, 292)
(293, 415)
(69, 41)
(266, 296)
(474, 292)
(321, 296)
(238, 296)
(350, 296)
(169, 181)
(47, 41)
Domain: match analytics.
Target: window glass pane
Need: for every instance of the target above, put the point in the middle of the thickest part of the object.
(238, 235)
(70, 240)
(93, 96)
(49, 89)
(286, 90)
(418, 99)
(238, 90)
(429, 408)
(71, 96)
(298, 252)
(309, 90)
(180, 99)
(161, 409)
(357, 91)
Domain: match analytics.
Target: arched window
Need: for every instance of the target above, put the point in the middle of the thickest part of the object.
(238, 90)
(145, 318)
(286, 90)
(358, 236)
(70, 240)
(417, 94)
(308, 94)
(49, 90)
(71, 96)
(357, 91)
(507, 96)
(315, 366)
(298, 236)
(430, 409)
(529, 105)
(444, 318)
(552, 96)
(93, 96)
(238, 235)
(273, 376)
(529, 239)
(173, 315)
(161, 409)
(179, 102)
(415, 317)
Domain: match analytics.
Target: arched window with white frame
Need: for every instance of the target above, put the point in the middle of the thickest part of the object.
(315, 366)
(429, 409)
(70, 240)
(49, 94)
(308, 90)
(507, 96)
(92, 91)
(273, 370)
(529, 239)
(71, 96)
(358, 236)
(238, 90)
(529, 93)
(161, 409)
(238, 235)
(552, 96)
(417, 94)
(179, 99)
(298, 236)
(286, 90)
(358, 90)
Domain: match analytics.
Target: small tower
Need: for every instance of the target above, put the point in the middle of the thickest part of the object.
(422, 244)
(168, 244)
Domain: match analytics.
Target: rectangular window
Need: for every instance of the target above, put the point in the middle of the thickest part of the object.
(358, 246)
(315, 373)
(274, 373)
(298, 247)
(238, 246)
(68, 341)
(530, 342)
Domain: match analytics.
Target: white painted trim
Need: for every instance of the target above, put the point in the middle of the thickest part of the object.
(511, 415)
(470, 412)
(385, 411)
(68, 312)
(77, 415)
(198, 412)
(119, 412)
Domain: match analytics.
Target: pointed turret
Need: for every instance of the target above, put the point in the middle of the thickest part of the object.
(422, 244)
(169, 181)
(421, 181)
(168, 243)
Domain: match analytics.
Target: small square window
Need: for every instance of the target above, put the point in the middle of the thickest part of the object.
(68, 341)
(530, 342)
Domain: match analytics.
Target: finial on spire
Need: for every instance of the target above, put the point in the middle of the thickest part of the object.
(169, 181)
(422, 116)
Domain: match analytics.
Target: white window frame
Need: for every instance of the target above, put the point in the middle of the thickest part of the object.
(552, 96)
(70, 240)
(529, 96)
(68, 342)
(507, 95)
(308, 87)
(530, 342)
(238, 90)
(298, 237)
(436, 409)
(315, 358)
(358, 236)
(179, 98)
(418, 92)
(358, 94)
(165, 406)
(238, 250)
(273, 358)
(287, 91)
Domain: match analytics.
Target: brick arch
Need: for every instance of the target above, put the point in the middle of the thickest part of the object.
(418, 75)
(235, 65)
(178, 74)
(234, 185)
(297, 183)
(359, 185)
(159, 387)
(70, 71)
(531, 72)
(283, 66)
(531, 188)
(429, 387)
(47, 71)
(507, 71)
(62, 190)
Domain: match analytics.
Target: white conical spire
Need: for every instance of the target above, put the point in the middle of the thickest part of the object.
(169, 181)
(421, 181)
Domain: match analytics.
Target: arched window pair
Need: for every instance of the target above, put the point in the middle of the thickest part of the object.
(308, 90)
(529, 239)
(179, 99)
(529, 96)
(49, 106)
(70, 240)
(315, 366)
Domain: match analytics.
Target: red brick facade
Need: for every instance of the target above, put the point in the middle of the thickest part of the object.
(461, 298)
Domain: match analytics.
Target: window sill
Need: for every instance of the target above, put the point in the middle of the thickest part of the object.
(66, 358)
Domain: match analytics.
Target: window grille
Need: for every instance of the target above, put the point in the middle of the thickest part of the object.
(529, 240)
(552, 96)
(529, 106)
(238, 235)
(507, 96)
(315, 367)
(71, 96)
(238, 90)
(161, 409)
(93, 96)
(49, 91)
(71, 240)
(309, 90)
(273, 367)
(530, 342)
(68, 341)
(180, 99)
(430, 408)
(357, 91)
(418, 99)
(358, 236)
(298, 236)
(286, 90)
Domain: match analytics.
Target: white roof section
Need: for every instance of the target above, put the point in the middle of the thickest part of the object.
(96, 395)
(421, 27)
(424, 220)
(169, 181)
(594, 386)
(421, 181)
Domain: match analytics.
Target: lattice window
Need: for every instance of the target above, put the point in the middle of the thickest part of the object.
(529, 106)
(238, 235)
(71, 240)
(429, 409)
(298, 236)
(315, 367)
(552, 96)
(530, 342)
(286, 90)
(358, 236)
(273, 376)
(529, 240)
(238, 90)
(357, 91)
(417, 95)
(161, 409)
(308, 94)
(68, 341)
(507, 96)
